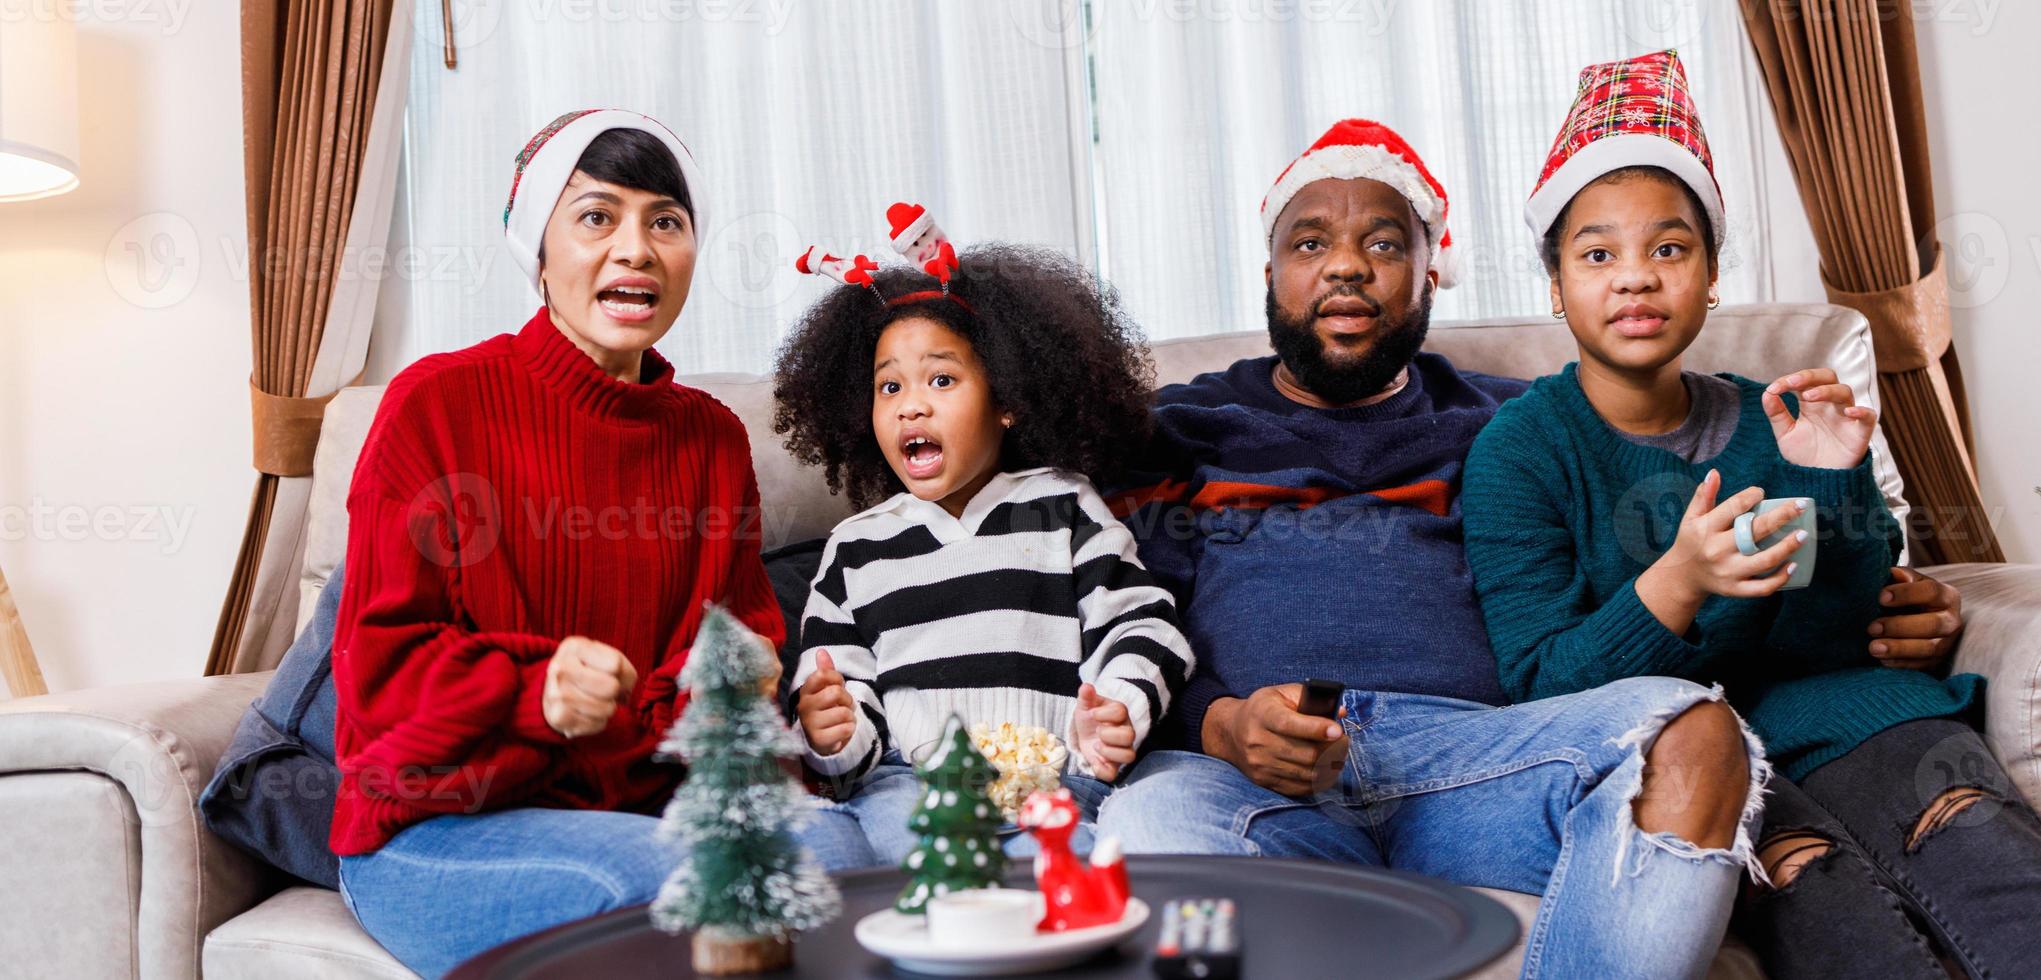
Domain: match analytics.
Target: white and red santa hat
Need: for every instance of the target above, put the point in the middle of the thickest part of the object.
(1356, 148)
(549, 159)
(1631, 113)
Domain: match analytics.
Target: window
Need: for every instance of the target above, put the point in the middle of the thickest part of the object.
(1136, 135)
(1200, 104)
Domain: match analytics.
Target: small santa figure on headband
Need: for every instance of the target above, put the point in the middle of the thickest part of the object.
(916, 236)
(853, 271)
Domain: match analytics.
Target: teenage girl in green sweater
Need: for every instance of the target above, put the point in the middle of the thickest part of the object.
(1600, 510)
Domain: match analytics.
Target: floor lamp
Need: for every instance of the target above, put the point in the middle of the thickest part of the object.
(38, 158)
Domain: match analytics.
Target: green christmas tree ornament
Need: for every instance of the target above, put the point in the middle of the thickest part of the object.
(746, 886)
(956, 821)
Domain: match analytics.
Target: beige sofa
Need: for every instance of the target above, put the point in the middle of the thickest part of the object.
(106, 871)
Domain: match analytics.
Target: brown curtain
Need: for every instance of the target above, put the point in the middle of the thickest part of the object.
(309, 75)
(1844, 79)
(18, 666)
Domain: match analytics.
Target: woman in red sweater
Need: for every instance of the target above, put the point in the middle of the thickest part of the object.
(535, 525)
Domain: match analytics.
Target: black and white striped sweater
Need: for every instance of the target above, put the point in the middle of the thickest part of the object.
(998, 615)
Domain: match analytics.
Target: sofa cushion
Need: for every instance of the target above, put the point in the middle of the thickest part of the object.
(791, 569)
(1178, 361)
(301, 932)
(1760, 341)
(2002, 641)
(797, 502)
(345, 428)
(273, 791)
(74, 859)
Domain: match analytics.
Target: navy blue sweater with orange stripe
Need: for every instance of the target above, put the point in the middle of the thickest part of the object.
(1304, 542)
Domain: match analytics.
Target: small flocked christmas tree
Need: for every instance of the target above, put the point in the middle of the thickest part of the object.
(746, 886)
(957, 823)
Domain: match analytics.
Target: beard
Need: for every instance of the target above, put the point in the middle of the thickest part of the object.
(1340, 374)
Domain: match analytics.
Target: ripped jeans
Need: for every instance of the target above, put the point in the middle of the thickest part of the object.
(1882, 903)
(1534, 798)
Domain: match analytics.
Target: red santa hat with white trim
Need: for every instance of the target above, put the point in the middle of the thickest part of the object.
(1632, 113)
(1355, 148)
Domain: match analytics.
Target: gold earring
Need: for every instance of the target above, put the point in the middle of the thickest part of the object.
(1558, 314)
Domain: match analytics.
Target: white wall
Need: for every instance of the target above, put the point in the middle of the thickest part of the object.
(124, 356)
(1977, 70)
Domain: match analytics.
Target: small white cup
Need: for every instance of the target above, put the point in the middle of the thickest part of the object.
(1802, 556)
(983, 916)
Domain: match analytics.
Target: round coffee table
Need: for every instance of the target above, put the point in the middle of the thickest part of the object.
(1296, 919)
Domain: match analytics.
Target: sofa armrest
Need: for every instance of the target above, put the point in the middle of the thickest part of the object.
(2002, 641)
(155, 745)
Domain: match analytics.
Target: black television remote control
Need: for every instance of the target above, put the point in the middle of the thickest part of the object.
(1200, 940)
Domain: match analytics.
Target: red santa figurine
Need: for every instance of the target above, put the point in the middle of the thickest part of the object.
(853, 271)
(1075, 894)
(915, 236)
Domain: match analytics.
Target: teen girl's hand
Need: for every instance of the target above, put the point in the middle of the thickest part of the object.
(1704, 559)
(1833, 432)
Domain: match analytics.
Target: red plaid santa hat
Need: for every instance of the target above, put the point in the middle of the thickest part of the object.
(1355, 148)
(549, 159)
(1627, 114)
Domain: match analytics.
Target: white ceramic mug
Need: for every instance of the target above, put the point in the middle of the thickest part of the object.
(983, 917)
(1804, 521)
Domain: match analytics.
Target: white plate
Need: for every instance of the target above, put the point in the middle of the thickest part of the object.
(904, 940)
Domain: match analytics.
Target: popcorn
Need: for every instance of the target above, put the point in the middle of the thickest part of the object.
(1028, 758)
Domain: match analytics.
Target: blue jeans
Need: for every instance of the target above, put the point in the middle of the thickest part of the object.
(1531, 798)
(455, 886)
(887, 795)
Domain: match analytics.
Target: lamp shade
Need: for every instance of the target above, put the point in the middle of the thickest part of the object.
(38, 104)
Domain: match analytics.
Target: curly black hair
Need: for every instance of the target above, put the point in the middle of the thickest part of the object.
(1058, 351)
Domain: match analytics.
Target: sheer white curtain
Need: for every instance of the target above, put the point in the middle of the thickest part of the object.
(808, 119)
(1138, 135)
(1200, 103)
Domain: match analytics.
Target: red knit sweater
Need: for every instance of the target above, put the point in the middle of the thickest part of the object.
(509, 496)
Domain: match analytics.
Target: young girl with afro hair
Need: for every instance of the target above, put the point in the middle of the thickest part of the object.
(986, 579)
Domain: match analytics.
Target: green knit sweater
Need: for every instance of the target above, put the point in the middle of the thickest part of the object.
(1562, 514)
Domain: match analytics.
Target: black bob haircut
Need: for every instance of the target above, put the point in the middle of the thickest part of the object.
(635, 159)
(1548, 249)
(1056, 349)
